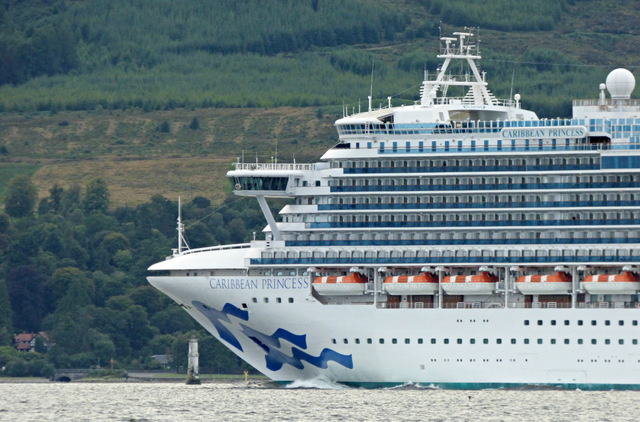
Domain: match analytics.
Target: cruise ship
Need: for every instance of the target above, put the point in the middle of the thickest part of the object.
(458, 242)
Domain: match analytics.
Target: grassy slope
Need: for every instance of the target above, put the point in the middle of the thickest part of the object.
(139, 161)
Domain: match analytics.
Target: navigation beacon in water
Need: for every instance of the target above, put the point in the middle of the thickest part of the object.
(460, 242)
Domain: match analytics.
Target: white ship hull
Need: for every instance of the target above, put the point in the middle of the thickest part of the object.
(288, 335)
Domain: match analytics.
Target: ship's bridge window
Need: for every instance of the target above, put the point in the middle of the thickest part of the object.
(262, 183)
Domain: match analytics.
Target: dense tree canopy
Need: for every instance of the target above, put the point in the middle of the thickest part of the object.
(21, 198)
(77, 270)
(116, 54)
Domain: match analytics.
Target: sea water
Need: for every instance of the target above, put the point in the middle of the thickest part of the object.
(257, 401)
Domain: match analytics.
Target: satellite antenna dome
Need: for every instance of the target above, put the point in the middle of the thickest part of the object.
(620, 84)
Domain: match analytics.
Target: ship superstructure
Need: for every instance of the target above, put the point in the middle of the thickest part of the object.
(459, 241)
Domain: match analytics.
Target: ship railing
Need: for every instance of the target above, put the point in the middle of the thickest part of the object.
(608, 304)
(516, 259)
(514, 305)
(216, 248)
(473, 223)
(456, 169)
(459, 127)
(405, 305)
(607, 102)
(467, 101)
(464, 205)
(275, 166)
(484, 187)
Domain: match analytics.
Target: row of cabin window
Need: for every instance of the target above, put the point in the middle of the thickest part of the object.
(514, 360)
(483, 180)
(480, 216)
(470, 235)
(478, 199)
(448, 253)
(466, 162)
(486, 341)
(581, 322)
(266, 300)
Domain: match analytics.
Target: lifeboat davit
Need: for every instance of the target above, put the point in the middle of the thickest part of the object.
(352, 284)
(483, 283)
(538, 284)
(422, 284)
(625, 283)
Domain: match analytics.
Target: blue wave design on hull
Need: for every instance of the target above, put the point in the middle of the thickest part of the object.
(323, 359)
(216, 317)
(275, 359)
(274, 339)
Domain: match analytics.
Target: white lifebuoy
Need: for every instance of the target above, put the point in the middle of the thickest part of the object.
(238, 186)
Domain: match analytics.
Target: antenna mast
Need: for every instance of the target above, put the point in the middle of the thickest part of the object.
(182, 242)
(371, 86)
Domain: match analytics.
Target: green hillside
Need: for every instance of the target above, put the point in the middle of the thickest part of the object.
(116, 54)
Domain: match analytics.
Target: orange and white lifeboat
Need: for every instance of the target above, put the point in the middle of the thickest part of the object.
(483, 283)
(352, 284)
(539, 284)
(421, 284)
(625, 283)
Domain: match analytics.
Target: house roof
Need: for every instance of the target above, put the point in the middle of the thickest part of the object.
(24, 337)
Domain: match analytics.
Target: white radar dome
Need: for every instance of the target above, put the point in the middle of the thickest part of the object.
(620, 84)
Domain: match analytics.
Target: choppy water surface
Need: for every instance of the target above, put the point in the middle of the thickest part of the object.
(256, 401)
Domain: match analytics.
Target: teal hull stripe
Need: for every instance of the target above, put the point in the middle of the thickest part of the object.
(486, 385)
